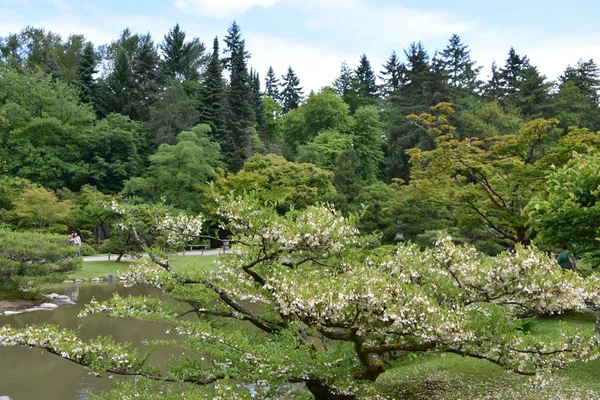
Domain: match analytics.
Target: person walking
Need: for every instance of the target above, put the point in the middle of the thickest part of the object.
(76, 240)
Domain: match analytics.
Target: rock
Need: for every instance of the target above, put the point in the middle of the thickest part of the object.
(52, 296)
(48, 306)
(68, 281)
(11, 313)
(63, 297)
(96, 280)
(5, 398)
(79, 280)
(33, 309)
(109, 278)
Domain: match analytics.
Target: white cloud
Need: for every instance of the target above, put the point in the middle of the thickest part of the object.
(221, 8)
(377, 25)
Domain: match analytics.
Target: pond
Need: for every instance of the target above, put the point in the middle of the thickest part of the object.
(27, 373)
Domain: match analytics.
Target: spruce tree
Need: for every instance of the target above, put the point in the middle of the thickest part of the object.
(512, 72)
(144, 66)
(415, 91)
(272, 85)
(577, 97)
(291, 95)
(116, 89)
(258, 105)
(239, 103)
(438, 87)
(462, 71)
(366, 86)
(85, 72)
(392, 75)
(344, 84)
(533, 97)
(585, 76)
(181, 60)
(493, 88)
(212, 110)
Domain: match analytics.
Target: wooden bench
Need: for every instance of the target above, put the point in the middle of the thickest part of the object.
(195, 246)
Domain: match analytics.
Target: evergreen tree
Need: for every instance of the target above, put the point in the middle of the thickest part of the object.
(392, 74)
(181, 60)
(258, 105)
(116, 89)
(272, 85)
(438, 86)
(493, 89)
(462, 71)
(86, 71)
(239, 103)
(533, 97)
(344, 84)
(577, 97)
(417, 79)
(291, 95)
(212, 110)
(366, 87)
(512, 73)
(585, 76)
(144, 66)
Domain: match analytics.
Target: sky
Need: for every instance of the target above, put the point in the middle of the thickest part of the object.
(315, 36)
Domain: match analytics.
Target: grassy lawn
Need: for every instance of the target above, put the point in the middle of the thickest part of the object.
(97, 269)
(452, 377)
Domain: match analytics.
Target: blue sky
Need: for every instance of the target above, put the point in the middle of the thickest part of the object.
(315, 36)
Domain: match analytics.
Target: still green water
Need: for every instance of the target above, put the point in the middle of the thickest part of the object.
(29, 374)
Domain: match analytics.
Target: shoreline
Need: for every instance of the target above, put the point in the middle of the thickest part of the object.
(18, 305)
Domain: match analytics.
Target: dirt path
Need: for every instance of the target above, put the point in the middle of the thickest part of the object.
(6, 305)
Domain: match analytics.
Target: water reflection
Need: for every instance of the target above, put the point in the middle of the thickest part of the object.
(34, 374)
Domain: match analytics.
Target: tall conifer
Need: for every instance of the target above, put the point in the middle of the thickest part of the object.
(291, 95)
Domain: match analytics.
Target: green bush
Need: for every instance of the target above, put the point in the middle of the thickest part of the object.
(29, 259)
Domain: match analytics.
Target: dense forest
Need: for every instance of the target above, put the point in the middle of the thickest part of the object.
(418, 145)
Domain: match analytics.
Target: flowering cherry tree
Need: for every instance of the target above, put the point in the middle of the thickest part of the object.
(303, 300)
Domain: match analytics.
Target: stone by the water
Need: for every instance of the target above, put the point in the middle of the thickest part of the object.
(48, 306)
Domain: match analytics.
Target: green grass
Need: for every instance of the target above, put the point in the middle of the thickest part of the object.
(97, 269)
(451, 377)
(14, 294)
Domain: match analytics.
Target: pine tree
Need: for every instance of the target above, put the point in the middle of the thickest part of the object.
(533, 97)
(85, 72)
(577, 97)
(415, 91)
(512, 73)
(585, 76)
(461, 70)
(438, 87)
(344, 85)
(116, 89)
(494, 89)
(366, 86)
(144, 66)
(239, 103)
(392, 75)
(291, 95)
(272, 85)
(258, 105)
(213, 96)
(182, 61)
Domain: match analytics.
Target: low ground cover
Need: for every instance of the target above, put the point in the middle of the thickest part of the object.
(96, 269)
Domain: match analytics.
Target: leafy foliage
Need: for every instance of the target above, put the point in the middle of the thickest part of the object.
(29, 259)
(569, 212)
